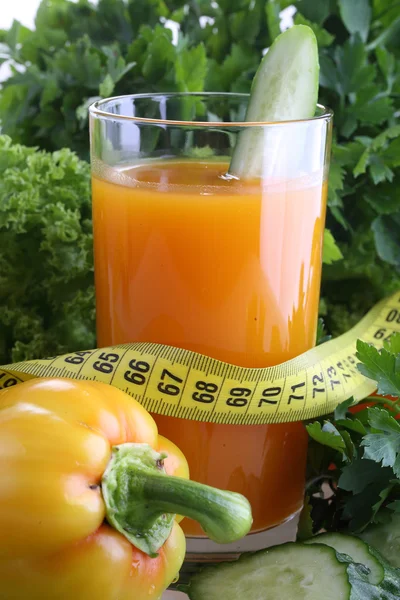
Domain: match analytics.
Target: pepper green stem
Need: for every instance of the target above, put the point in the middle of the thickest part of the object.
(142, 501)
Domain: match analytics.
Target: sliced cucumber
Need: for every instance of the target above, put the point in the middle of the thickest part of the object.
(285, 88)
(386, 539)
(291, 571)
(356, 549)
(361, 588)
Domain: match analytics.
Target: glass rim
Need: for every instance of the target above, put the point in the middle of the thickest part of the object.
(96, 110)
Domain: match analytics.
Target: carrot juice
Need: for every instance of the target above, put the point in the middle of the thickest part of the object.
(189, 257)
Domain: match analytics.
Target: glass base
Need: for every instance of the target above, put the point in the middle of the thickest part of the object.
(202, 551)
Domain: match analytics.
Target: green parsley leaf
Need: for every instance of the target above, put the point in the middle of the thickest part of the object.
(352, 424)
(351, 451)
(395, 506)
(106, 86)
(384, 200)
(235, 66)
(353, 66)
(361, 473)
(383, 443)
(380, 365)
(342, 410)
(331, 251)
(383, 496)
(372, 107)
(356, 15)
(327, 435)
(272, 11)
(191, 69)
(322, 335)
(314, 11)
(386, 232)
(367, 481)
(387, 63)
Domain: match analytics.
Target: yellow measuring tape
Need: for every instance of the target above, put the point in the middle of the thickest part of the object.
(180, 383)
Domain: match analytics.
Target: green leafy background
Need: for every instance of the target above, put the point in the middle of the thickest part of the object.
(80, 51)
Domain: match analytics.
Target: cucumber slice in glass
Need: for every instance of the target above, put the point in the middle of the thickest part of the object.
(290, 571)
(356, 549)
(285, 88)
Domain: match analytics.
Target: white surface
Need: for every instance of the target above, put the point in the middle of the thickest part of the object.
(22, 10)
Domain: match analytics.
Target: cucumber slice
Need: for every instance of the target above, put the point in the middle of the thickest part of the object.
(285, 88)
(361, 588)
(356, 549)
(290, 571)
(386, 539)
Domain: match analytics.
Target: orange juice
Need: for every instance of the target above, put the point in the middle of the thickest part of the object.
(187, 257)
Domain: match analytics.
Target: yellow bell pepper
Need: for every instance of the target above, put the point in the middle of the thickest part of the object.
(88, 498)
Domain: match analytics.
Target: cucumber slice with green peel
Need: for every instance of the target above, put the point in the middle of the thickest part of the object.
(361, 588)
(356, 549)
(386, 539)
(285, 88)
(291, 571)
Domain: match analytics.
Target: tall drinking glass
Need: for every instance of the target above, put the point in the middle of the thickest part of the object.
(188, 255)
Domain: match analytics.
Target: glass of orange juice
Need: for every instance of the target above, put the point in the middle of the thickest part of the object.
(190, 256)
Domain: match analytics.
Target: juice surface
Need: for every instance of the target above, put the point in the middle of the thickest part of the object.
(187, 257)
